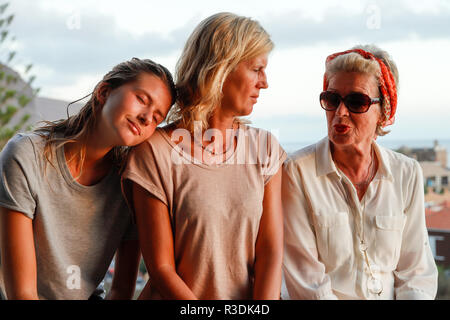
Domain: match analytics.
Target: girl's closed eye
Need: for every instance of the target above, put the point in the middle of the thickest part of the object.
(141, 99)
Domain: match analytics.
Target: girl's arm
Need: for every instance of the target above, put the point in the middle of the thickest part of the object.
(126, 269)
(156, 240)
(18, 255)
(269, 244)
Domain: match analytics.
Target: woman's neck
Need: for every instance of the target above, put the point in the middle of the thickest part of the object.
(357, 162)
(222, 122)
(351, 158)
(95, 164)
(218, 139)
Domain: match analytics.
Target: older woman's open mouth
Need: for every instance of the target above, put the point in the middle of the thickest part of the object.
(341, 128)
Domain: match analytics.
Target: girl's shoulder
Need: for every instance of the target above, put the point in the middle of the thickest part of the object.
(167, 137)
(24, 145)
(157, 146)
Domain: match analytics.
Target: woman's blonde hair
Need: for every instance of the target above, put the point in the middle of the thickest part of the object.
(79, 127)
(216, 46)
(354, 62)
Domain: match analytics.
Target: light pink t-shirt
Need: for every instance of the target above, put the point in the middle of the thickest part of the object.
(215, 208)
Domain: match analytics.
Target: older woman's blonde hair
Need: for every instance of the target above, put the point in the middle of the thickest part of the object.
(216, 46)
(354, 62)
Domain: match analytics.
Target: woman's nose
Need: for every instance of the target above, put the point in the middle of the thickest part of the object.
(342, 109)
(146, 118)
(262, 83)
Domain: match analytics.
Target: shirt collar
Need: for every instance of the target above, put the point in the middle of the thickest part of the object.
(325, 164)
(384, 169)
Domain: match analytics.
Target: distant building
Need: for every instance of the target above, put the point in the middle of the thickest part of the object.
(436, 154)
(436, 198)
(435, 176)
(51, 109)
(438, 225)
(38, 108)
(434, 165)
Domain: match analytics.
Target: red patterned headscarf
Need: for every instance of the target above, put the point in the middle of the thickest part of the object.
(387, 84)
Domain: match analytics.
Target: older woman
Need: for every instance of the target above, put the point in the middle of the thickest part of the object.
(207, 188)
(354, 211)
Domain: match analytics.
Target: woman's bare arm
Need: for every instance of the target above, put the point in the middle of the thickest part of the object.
(269, 244)
(18, 255)
(125, 271)
(156, 240)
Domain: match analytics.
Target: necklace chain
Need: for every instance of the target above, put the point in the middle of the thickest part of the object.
(200, 144)
(370, 173)
(376, 285)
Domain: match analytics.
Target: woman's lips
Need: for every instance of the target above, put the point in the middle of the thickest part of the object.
(134, 128)
(341, 128)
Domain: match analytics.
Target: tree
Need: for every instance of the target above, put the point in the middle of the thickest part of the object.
(15, 93)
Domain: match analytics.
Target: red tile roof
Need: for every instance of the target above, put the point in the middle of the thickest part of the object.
(438, 219)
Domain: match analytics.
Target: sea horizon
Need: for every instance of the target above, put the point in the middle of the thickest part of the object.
(393, 144)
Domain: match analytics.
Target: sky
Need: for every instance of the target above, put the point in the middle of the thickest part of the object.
(72, 44)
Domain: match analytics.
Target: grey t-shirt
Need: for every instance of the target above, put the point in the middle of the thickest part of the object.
(77, 229)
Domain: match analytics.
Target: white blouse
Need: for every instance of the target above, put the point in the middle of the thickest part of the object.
(322, 227)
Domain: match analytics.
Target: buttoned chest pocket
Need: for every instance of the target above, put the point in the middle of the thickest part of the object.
(334, 239)
(388, 239)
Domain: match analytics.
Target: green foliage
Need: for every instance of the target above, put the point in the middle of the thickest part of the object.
(443, 292)
(12, 97)
(11, 56)
(3, 7)
(30, 81)
(24, 119)
(24, 100)
(5, 135)
(28, 68)
(3, 36)
(7, 115)
(11, 79)
(9, 94)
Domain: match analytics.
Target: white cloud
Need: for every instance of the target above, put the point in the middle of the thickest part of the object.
(82, 86)
(70, 62)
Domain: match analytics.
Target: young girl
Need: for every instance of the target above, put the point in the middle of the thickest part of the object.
(62, 214)
(209, 214)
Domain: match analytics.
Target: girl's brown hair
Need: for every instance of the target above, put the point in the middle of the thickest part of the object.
(78, 127)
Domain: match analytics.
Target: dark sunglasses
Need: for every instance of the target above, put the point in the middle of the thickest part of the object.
(355, 102)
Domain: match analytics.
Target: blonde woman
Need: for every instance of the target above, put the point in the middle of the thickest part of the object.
(206, 188)
(62, 214)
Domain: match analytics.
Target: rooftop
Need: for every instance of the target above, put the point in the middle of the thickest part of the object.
(433, 168)
(438, 219)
